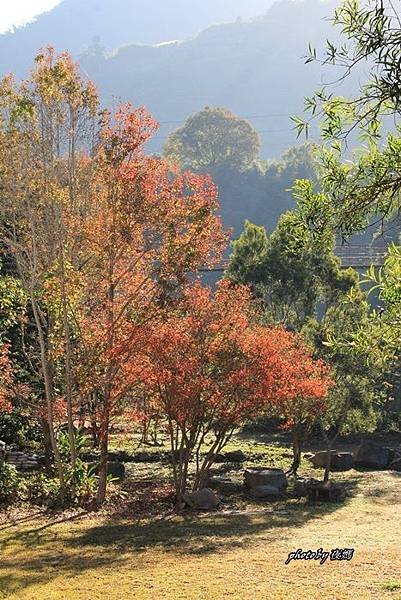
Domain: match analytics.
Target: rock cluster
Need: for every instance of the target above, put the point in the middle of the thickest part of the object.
(204, 499)
(368, 455)
(264, 482)
(23, 461)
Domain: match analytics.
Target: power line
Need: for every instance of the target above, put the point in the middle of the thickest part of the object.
(163, 137)
(266, 116)
(287, 130)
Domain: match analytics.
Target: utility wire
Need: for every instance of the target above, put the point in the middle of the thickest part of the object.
(266, 116)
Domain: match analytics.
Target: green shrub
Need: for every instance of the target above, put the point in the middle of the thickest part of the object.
(81, 482)
(11, 484)
(18, 429)
(42, 490)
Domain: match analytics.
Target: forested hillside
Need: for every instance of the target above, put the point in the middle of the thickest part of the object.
(73, 24)
(256, 69)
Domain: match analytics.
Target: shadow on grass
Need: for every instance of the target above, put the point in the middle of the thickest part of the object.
(376, 490)
(204, 534)
(44, 552)
(19, 520)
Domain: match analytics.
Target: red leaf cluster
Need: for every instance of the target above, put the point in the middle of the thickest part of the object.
(6, 379)
(209, 362)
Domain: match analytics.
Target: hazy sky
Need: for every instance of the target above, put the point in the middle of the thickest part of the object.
(17, 12)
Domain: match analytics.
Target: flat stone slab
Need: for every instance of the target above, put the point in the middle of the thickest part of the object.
(265, 476)
(204, 499)
(340, 461)
(265, 491)
(225, 485)
(372, 456)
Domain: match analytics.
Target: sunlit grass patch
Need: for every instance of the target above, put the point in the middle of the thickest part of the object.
(392, 586)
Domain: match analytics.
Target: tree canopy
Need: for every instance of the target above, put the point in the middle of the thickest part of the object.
(213, 138)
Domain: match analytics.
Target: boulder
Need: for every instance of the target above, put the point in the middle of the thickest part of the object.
(263, 476)
(225, 485)
(265, 491)
(150, 457)
(340, 461)
(219, 458)
(372, 456)
(394, 454)
(22, 461)
(396, 465)
(89, 457)
(319, 491)
(204, 499)
(116, 469)
(235, 456)
(300, 487)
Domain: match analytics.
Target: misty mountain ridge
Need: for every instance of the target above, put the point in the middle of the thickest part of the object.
(73, 24)
(254, 67)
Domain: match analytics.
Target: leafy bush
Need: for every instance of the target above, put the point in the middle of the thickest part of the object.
(63, 439)
(11, 484)
(42, 490)
(18, 429)
(81, 482)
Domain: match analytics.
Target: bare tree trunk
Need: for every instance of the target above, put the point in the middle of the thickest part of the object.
(329, 446)
(144, 435)
(330, 441)
(328, 460)
(47, 444)
(297, 452)
(48, 391)
(105, 415)
(94, 425)
(104, 449)
(68, 370)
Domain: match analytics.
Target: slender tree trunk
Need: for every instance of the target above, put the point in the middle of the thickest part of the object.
(105, 417)
(203, 470)
(47, 444)
(327, 468)
(68, 370)
(48, 391)
(144, 436)
(104, 450)
(94, 425)
(296, 452)
(329, 446)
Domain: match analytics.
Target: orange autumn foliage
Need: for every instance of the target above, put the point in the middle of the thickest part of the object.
(209, 367)
(6, 379)
(148, 228)
(209, 357)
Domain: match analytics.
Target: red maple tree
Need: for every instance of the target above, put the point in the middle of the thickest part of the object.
(147, 227)
(211, 368)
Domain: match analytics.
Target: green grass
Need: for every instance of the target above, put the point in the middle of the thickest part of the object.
(143, 550)
(392, 586)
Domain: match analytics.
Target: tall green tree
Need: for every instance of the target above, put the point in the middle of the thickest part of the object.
(214, 138)
(356, 399)
(366, 188)
(363, 188)
(294, 273)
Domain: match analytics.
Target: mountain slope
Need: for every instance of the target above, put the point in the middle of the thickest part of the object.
(74, 23)
(254, 68)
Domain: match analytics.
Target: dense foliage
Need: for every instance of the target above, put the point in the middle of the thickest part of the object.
(103, 315)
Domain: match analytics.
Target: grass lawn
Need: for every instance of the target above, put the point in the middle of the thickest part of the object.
(238, 552)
